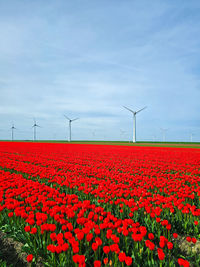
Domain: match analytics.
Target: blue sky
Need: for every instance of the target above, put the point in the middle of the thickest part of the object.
(87, 59)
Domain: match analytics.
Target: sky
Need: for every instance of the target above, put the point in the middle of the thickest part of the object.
(88, 59)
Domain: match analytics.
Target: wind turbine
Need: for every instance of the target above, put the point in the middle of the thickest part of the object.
(34, 129)
(164, 133)
(122, 133)
(12, 131)
(191, 137)
(134, 121)
(70, 130)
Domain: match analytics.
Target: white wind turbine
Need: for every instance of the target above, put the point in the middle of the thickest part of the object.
(35, 125)
(164, 133)
(122, 133)
(70, 130)
(191, 137)
(12, 131)
(154, 138)
(134, 121)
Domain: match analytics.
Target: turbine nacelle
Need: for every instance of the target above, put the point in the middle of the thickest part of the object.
(13, 127)
(134, 112)
(35, 124)
(70, 120)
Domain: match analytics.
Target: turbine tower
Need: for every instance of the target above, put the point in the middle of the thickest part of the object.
(35, 125)
(12, 131)
(94, 133)
(134, 121)
(164, 133)
(70, 128)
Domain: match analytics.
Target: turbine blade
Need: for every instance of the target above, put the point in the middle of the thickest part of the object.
(75, 119)
(66, 117)
(129, 109)
(140, 110)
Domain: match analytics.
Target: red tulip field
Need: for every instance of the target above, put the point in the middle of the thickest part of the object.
(98, 205)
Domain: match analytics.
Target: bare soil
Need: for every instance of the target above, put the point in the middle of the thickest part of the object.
(11, 252)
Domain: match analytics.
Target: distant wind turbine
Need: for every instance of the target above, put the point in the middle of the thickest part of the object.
(12, 131)
(164, 133)
(35, 125)
(154, 138)
(70, 130)
(134, 121)
(122, 133)
(191, 137)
